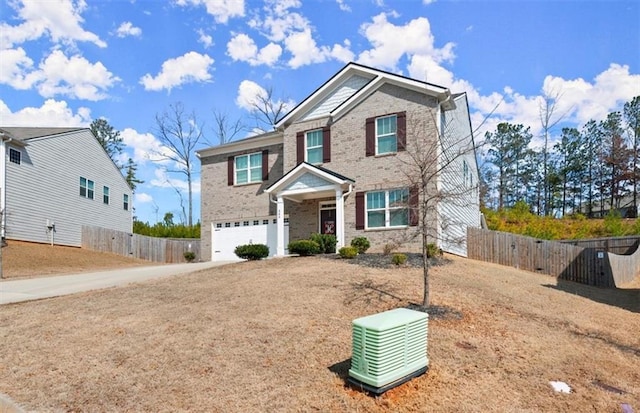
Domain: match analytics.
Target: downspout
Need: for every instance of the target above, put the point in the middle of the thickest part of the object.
(3, 182)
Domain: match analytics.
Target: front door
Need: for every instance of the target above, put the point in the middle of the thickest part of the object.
(328, 220)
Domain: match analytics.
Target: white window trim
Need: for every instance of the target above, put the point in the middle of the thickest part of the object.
(126, 205)
(106, 193)
(378, 136)
(89, 186)
(307, 147)
(387, 210)
(248, 169)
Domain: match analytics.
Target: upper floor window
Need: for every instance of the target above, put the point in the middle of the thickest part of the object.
(15, 156)
(386, 134)
(125, 199)
(386, 139)
(313, 141)
(385, 209)
(248, 168)
(105, 195)
(86, 188)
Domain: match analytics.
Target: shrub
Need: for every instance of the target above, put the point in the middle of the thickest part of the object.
(304, 247)
(433, 250)
(189, 256)
(252, 252)
(399, 259)
(388, 248)
(348, 252)
(362, 244)
(327, 242)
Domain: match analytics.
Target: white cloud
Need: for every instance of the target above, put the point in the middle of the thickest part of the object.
(221, 10)
(61, 20)
(247, 93)
(52, 113)
(205, 39)
(250, 93)
(304, 49)
(145, 146)
(427, 2)
(14, 68)
(142, 198)
(343, 5)
(391, 43)
(74, 77)
(242, 48)
(164, 180)
(191, 67)
(128, 29)
(342, 53)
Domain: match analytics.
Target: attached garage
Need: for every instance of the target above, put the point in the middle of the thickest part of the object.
(227, 235)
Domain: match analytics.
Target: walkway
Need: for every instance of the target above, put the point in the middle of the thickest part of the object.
(13, 291)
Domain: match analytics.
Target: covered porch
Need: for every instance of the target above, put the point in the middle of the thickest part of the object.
(309, 182)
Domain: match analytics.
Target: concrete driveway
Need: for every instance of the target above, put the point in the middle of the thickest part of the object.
(14, 291)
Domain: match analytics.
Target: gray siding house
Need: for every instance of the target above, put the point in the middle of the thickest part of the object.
(343, 162)
(54, 180)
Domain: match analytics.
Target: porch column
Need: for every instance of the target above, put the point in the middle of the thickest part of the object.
(339, 219)
(280, 227)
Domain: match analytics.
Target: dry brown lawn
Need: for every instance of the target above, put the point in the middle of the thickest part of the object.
(275, 336)
(27, 259)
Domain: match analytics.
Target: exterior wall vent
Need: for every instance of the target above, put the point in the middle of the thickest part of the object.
(389, 349)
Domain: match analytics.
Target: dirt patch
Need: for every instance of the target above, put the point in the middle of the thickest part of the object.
(28, 259)
(275, 336)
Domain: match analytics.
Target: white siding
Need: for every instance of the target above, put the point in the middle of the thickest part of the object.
(460, 207)
(341, 93)
(46, 186)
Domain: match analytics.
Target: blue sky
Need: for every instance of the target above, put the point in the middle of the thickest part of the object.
(68, 62)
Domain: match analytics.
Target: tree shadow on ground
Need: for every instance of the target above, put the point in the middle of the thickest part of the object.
(341, 369)
(627, 299)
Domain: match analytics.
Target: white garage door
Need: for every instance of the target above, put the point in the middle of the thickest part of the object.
(226, 236)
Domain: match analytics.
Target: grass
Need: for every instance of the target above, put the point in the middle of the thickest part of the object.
(276, 336)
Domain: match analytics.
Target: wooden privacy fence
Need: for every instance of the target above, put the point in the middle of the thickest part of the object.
(165, 250)
(591, 265)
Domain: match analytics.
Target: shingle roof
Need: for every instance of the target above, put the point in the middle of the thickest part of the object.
(24, 134)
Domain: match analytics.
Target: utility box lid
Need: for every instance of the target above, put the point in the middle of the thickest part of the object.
(389, 319)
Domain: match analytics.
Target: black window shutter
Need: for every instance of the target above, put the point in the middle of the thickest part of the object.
(300, 147)
(265, 164)
(230, 164)
(370, 136)
(401, 130)
(359, 210)
(326, 144)
(413, 205)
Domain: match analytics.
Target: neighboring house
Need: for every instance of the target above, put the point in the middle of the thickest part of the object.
(54, 180)
(338, 163)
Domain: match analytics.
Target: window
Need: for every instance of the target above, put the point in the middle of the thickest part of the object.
(248, 168)
(386, 134)
(387, 208)
(313, 142)
(125, 202)
(15, 156)
(86, 188)
(105, 195)
(386, 141)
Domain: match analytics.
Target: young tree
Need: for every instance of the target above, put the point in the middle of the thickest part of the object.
(437, 165)
(266, 110)
(179, 133)
(547, 109)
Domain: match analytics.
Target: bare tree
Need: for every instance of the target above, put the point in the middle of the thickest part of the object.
(547, 108)
(225, 129)
(267, 111)
(179, 133)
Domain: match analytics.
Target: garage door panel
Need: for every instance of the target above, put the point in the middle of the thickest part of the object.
(225, 240)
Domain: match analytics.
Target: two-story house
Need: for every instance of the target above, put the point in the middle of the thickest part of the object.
(346, 161)
(55, 180)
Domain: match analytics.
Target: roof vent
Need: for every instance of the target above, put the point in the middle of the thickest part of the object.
(389, 349)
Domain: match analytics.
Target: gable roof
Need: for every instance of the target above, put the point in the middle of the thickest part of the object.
(302, 168)
(24, 133)
(370, 79)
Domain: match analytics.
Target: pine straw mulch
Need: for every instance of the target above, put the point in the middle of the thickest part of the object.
(275, 336)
